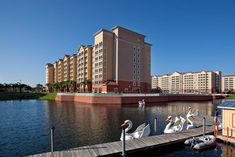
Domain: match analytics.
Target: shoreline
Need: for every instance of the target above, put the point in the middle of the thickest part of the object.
(26, 96)
(124, 99)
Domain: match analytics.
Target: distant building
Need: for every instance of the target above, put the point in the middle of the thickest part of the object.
(228, 83)
(119, 61)
(154, 82)
(189, 82)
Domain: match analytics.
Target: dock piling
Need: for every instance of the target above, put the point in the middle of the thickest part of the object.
(204, 129)
(123, 143)
(52, 140)
(155, 124)
(123, 126)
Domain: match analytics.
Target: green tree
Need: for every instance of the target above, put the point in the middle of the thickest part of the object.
(39, 88)
(49, 86)
(85, 83)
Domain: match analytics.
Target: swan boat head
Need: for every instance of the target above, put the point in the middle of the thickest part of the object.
(169, 119)
(128, 125)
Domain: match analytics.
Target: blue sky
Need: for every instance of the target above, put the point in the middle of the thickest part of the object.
(187, 35)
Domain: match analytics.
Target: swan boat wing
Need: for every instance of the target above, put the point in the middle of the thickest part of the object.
(195, 113)
(146, 131)
(140, 127)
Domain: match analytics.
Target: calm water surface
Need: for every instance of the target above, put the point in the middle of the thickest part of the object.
(25, 125)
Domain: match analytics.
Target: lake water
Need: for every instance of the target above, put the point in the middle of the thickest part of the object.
(25, 125)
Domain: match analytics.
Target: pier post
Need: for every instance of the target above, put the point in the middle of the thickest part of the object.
(123, 126)
(204, 123)
(52, 140)
(155, 124)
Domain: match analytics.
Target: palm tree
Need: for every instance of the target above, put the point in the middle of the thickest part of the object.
(67, 84)
(55, 87)
(61, 86)
(74, 85)
(85, 83)
(71, 85)
(49, 86)
(64, 85)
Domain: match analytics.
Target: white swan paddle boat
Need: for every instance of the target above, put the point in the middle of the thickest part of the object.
(141, 103)
(191, 114)
(201, 142)
(141, 131)
(174, 126)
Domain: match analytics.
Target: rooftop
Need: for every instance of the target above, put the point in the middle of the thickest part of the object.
(189, 72)
(115, 27)
(229, 76)
(227, 105)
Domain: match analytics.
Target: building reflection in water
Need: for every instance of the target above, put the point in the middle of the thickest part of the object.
(82, 124)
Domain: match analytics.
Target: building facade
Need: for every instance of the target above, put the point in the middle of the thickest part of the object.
(55, 71)
(49, 73)
(189, 82)
(84, 68)
(66, 67)
(228, 83)
(60, 70)
(119, 61)
(73, 67)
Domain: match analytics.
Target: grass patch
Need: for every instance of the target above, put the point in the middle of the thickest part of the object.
(48, 96)
(231, 96)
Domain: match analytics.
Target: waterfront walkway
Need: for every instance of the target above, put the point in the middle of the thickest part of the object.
(136, 145)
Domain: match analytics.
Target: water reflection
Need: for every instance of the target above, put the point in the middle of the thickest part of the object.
(82, 124)
(228, 151)
(25, 125)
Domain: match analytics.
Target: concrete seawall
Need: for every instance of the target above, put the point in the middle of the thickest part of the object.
(122, 99)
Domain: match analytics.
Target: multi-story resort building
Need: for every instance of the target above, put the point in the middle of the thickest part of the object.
(189, 82)
(84, 67)
(73, 67)
(228, 83)
(55, 72)
(66, 72)
(60, 70)
(119, 61)
(49, 73)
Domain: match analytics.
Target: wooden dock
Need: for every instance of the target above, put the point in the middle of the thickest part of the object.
(136, 145)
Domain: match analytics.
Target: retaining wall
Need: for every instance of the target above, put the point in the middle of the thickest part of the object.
(125, 99)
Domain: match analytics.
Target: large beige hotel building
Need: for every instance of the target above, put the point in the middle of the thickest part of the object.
(228, 83)
(118, 61)
(189, 82)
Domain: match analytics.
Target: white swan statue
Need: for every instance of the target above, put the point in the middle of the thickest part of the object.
(141, 131)
(174, 126)
(191, 114)
(141, 103)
